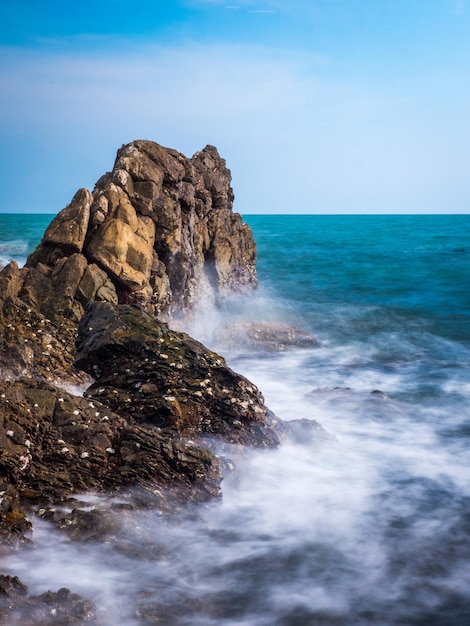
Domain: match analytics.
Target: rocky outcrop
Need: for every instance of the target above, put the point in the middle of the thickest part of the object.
(155, 238)
(158, 231)
(146, 371)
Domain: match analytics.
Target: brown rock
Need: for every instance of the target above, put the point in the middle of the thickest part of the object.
(53, 444)
(160, 226)
(68, 229)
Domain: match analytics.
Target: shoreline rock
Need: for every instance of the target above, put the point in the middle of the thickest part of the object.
(90, 311)
(156, 237)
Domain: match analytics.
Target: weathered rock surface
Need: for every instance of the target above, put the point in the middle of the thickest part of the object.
(53, 444)
(158, 231)
(30, 343)
(163, 377)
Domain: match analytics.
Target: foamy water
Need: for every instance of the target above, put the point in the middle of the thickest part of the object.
(370, 525)
(367, 526)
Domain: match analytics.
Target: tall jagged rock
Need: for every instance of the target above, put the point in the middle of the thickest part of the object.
(158, 230)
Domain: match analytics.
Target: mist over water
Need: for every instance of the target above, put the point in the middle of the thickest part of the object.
(368, 524)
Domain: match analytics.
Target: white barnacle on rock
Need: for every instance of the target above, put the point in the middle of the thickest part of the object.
(169, 398)
(3, 395)
(198, 393)
(76, 412)
(60, 400)
(179, 366)
(111, 450)
(90, 404)
(10, 433)
(84, 455)
(27, 443)
(24, 462)
(64, 450)
(97, 414)
(164, 356)
(105, 418)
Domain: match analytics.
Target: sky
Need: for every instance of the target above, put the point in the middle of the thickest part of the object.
(318, 106)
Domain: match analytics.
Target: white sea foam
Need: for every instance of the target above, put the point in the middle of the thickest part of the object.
(16, 249)
(363, 528)
(367, 527)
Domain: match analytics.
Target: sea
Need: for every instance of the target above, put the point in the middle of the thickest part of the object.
(366, 525)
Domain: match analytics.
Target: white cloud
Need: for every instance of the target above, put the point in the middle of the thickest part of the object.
(295, 142)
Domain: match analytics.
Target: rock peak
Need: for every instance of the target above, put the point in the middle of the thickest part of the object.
(158, 230)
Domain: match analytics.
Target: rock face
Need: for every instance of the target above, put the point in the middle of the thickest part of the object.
(155, 375)
(158, 231)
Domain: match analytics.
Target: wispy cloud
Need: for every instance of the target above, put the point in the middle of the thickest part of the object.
(295, 141)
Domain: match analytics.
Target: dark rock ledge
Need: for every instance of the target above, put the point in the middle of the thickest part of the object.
(156, 237)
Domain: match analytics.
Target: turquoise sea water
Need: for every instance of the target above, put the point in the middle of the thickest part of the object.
(371, 526)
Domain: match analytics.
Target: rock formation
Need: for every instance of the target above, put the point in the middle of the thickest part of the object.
(158, 231)
(155, 238)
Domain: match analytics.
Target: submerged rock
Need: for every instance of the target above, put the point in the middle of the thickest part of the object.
(19, 608)
(262, 336)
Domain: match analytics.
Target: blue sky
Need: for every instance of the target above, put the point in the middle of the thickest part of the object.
(318, 106)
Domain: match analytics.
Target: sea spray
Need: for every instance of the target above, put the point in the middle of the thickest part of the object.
(366, 526)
